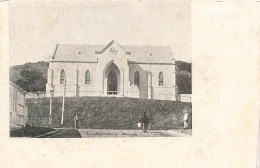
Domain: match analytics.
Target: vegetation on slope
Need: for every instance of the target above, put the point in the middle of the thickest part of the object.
(32, 77)
(32, 81)
(37, 66)
(107, 113)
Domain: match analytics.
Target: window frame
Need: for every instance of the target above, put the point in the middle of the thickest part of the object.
(62, 79)
(161, 79)
(87, 79)
(136, 83)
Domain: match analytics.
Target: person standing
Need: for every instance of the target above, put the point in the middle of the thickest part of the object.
(190, 118)
(145, 121)
(185, 119)
(76, 121)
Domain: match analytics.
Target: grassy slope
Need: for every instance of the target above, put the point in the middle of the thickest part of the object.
(107, 113)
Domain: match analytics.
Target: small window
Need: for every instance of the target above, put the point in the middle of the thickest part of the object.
(137, 78)
(62, 77)
(161, 79)
(87, 78)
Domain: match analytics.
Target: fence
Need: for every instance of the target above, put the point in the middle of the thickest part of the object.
(143, 95)
(184, 97)
(35, 95)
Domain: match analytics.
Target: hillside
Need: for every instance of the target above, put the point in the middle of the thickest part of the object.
(14, 71)
(106, 113)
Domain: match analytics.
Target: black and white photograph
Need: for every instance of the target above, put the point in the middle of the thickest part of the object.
(135, 83)
(94, 70)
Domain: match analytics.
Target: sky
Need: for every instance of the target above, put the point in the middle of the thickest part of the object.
(36, 28)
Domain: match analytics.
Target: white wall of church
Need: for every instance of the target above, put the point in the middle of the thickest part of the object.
(167, 91)
(92, 89)
(75, 80)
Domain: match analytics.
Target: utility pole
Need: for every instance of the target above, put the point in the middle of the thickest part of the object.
(63, 101)
(50, 117)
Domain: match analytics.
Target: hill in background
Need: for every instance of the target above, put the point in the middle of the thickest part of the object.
(183, 74)
(14, 71)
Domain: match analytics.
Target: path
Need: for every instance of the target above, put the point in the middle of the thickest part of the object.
(102, 133)
(88, 133)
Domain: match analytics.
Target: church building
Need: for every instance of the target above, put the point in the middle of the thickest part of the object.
(112, 70)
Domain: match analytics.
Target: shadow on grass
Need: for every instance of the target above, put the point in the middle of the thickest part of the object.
(65, 133)
(30, 131)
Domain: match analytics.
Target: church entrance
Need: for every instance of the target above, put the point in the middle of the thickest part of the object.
(112, 83)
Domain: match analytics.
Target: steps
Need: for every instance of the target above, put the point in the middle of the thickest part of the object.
(106, 112)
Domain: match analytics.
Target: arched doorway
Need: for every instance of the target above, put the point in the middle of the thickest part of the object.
(112, 83)
(111, 80)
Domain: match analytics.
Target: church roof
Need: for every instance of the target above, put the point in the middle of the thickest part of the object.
(89, 53)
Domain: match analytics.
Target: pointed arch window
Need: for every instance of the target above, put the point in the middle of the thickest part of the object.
(161, 79)
(87, 78)
(137, 78)
(62, 77)
(112, 83)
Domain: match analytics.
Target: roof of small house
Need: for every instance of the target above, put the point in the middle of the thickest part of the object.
(89, 53)
(18, 88)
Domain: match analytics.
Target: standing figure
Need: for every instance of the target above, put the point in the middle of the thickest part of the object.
(76, 121)
(185, 119)
(145, 122)
(190, 118)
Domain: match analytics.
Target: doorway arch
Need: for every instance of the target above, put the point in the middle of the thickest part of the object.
(111, 82)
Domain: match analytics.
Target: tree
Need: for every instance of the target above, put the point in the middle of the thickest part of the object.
(184, 77)
(31, 81)
(183, 66)
(184, 82)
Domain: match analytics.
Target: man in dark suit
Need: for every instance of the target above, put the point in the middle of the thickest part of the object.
(145, 121)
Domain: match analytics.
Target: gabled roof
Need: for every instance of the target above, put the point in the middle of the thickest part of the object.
(150, 54)
(109, 45)
(18, 88)
(89, 53)
(77, 52)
